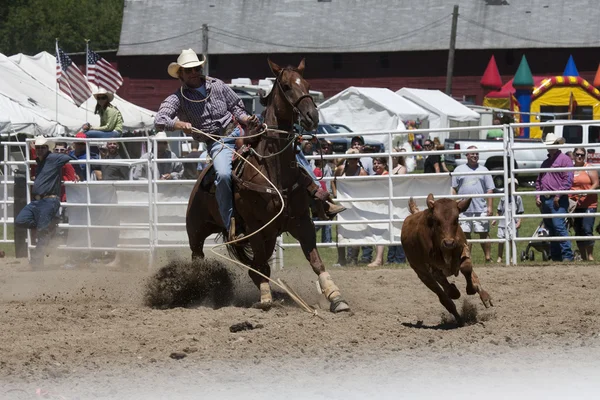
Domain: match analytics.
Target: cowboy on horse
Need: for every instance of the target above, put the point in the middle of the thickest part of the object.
(209, 105)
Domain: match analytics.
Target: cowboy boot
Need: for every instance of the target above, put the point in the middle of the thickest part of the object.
(323, 198)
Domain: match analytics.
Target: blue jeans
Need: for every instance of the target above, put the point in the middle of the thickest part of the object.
(325, 232)
(221, 153)
(38, 215)
(303, 162)
(559, 251)
(584, 226)
(396, 255)
(91, 134)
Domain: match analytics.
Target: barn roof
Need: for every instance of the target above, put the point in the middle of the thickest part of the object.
(340, 26)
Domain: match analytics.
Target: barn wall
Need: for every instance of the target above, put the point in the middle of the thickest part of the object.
(147, 83)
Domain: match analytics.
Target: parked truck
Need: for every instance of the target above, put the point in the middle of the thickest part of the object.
(579, 135)
(525, 156)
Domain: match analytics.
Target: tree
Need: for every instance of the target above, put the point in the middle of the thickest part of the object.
(31, 26)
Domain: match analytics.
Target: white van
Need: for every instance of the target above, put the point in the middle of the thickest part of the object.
(584, 135)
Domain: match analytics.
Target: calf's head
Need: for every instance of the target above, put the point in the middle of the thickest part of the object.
(442, 219)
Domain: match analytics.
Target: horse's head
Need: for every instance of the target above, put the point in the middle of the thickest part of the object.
(290, 99)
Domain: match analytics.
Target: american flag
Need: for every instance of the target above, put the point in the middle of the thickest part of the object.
(70, 79)
(102, 73)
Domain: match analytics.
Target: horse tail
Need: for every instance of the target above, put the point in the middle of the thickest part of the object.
(241, 251)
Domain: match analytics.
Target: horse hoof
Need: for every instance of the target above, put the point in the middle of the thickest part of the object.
(338, 305)
(265, 306)
(486, 299)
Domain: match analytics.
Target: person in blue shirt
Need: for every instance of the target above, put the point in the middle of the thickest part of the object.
(79, 153)
(45, 198)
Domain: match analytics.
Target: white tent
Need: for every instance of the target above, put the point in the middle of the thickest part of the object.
(31, 82)
(370, 109)
(18, 118)
(444, 111)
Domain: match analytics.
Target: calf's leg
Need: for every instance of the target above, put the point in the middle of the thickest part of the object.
(433, 285)
(450, 288)
(473, 285)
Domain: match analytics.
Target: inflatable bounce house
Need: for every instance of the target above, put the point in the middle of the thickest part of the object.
(569, 95)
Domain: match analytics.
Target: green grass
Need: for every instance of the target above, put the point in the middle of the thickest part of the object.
(9, 248)
(294, 256)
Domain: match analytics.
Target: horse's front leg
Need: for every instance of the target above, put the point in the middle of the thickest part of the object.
(303, 230)
(262, 248)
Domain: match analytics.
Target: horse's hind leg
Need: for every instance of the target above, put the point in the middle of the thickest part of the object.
(304, 231)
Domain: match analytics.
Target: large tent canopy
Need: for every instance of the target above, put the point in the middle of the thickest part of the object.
(370, 109)
(28, 89)
(443, 110)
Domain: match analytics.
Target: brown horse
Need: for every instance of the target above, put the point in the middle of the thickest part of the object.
(256, 203)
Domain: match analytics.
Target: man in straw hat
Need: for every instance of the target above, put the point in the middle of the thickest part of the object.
(207, 104)
(555, 203)
(45, 197)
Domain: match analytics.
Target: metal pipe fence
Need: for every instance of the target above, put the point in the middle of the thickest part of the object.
(151, 195)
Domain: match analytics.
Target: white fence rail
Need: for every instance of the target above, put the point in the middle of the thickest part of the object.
(146, 215)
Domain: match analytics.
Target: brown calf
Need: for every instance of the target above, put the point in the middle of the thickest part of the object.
(436, 248)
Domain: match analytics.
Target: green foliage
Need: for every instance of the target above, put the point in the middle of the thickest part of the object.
(31, 26)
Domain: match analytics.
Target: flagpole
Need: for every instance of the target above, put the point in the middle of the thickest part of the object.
(87, 43)
(56, 100)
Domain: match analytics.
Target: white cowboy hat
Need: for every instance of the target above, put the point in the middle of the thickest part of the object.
(187, 59)
(551, 138)
(160, 135)
(104, 92)
(43, 141)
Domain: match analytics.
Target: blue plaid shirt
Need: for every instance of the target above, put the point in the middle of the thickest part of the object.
(219, 108)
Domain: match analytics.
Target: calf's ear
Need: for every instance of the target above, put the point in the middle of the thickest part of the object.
(464, 204)
(430, 201)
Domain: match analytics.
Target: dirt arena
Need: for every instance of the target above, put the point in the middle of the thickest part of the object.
(85, 333)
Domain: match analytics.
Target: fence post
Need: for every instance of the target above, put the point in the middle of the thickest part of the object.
(20, 201)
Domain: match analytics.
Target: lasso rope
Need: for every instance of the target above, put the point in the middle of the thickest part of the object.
(293, 295)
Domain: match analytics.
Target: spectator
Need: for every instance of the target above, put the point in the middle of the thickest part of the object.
(325, 233)
(475, 185)
(111, 215)
(586, 203)
(502, 210)
(396, 253)
(190, 169)
(80, 153)
(328, 171)
(399, 162)
(111, 120)
(68, 175)
(167, 170)
(68, 172)
(351, 167)
(40, 213)
(496, 133)
(358, 143)
(438, 146)
(381, 168)
(433, 161)
(555, 203)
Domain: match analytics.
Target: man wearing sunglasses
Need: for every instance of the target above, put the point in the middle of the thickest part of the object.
(39, 214)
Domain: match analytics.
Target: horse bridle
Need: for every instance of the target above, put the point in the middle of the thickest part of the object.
(296, 103)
